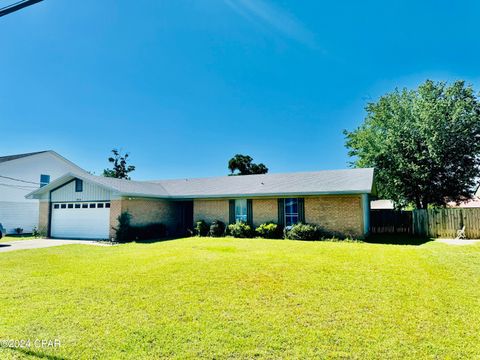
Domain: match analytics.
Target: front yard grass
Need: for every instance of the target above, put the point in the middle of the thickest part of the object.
(233, 298)
(9, 238)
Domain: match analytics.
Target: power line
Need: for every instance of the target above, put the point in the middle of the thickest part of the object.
(20, 180)
(17, 6)
(20, 187)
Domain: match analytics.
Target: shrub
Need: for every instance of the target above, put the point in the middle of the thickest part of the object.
(201, 228)
(217, 229)
(18, 231)
(36, 233)
(303, 232)
(125, 232)
(122, 231)
(147, 232)
(269, 230)
(240, 230)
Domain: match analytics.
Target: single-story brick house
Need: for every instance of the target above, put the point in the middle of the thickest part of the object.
(86, 206)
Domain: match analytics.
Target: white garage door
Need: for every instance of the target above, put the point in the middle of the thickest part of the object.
(85, 220)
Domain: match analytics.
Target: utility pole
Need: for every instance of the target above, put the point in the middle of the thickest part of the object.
(17, 6)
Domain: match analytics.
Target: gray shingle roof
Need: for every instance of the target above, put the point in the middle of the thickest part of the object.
(319, 182)
(351, 181)
(18, 156)
(128, 186)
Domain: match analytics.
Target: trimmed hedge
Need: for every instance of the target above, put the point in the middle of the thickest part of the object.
(147, 232)
(303, 232)
(201, 228)
(241, 230)
(126, 232)
(269, 230)
(217, 229)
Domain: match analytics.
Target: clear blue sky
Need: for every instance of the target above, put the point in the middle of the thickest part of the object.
(184, 85)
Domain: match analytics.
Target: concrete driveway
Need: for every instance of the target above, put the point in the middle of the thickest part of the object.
(43, 243)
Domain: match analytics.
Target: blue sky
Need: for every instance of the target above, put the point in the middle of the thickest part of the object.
(184, 85)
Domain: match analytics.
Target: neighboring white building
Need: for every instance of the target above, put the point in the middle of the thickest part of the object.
(21, 174)
(382, 205)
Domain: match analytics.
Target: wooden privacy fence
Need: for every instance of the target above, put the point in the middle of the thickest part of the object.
(429, 223)
(445, 223)
(391, 222)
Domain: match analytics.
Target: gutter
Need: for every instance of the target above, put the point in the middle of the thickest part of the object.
(249, 195)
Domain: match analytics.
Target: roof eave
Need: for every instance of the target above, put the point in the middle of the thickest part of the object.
(219, 196)
(36, 194)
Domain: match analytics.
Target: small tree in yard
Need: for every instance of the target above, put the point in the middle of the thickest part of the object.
(424, 144)
(120, 167)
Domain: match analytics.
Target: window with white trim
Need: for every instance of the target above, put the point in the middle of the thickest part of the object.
(291, 211)
(241, 210)
(44, 180)
(78, 185)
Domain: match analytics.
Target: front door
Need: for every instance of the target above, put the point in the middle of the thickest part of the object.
(186, 217)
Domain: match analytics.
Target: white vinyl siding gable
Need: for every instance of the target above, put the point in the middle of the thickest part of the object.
(90, 192)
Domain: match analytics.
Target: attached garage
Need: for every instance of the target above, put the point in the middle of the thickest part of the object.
(80, 220)
(77, 208)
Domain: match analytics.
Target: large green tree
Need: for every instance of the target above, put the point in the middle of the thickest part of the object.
(244, 165)
(120, 169)
(424, 144)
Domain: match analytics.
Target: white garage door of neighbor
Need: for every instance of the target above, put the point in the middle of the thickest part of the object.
(85, 220)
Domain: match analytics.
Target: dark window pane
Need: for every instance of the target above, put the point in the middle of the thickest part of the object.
(294, 209)
(44, 180)
(56, 206)
(70, 206)
(92, 206)
(64, 206)
(100, 205)
(291, 220)
(77, 206)
(291, 211)
(107, 205)
(78, 185)
(84, 206)
(291, 206)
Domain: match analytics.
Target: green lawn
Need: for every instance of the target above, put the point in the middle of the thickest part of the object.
(227, 298)
(9, 238)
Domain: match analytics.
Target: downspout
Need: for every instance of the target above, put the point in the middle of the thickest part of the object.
(49, 225)
(366, 214)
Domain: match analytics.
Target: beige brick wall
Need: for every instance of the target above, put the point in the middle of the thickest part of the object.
(143, 211)
(264, 210)
(336, 213)
(210, 210)
(44, 208)
(341, 214)
(115, 211)
(147, 211)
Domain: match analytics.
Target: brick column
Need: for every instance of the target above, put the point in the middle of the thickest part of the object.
(115, 211)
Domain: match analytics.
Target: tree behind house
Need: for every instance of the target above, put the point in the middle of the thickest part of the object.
(243, 165)
(423, 143)
(120, 168)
